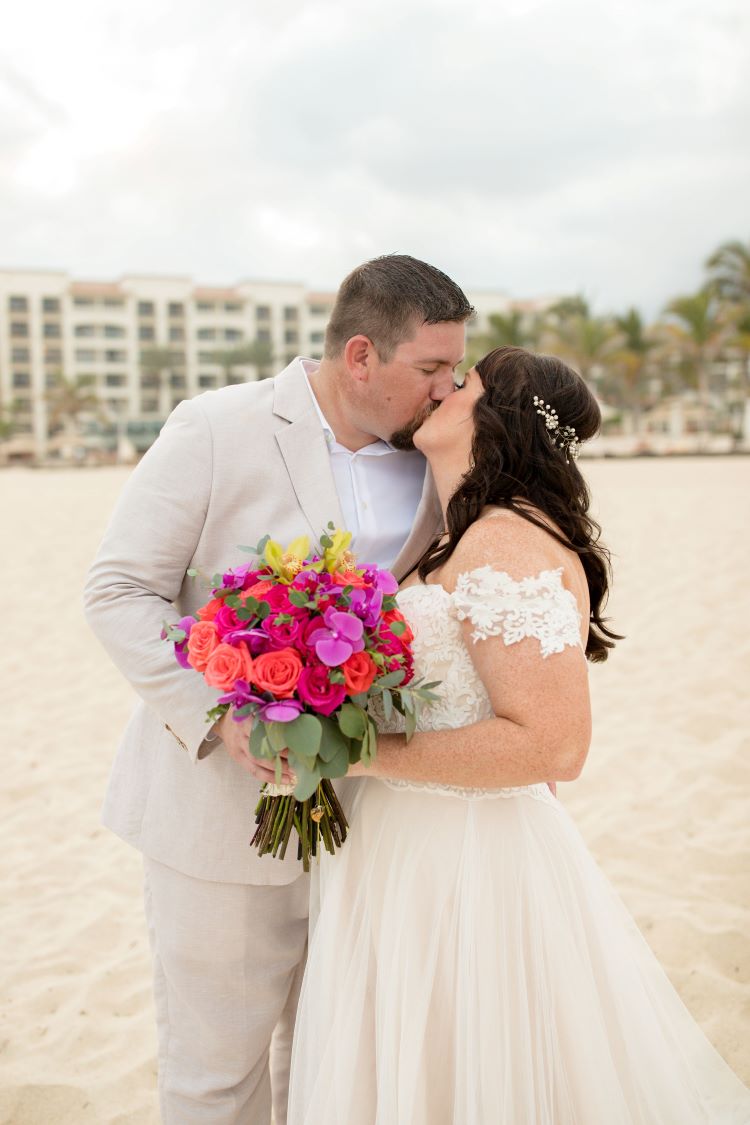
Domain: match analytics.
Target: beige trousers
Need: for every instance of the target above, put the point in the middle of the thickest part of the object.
(228, 965)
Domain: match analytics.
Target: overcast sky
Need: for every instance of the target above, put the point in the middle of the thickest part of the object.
(522, 145)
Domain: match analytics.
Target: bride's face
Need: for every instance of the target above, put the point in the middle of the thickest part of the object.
(451, 426)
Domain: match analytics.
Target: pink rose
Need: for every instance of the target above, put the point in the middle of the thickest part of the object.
(315, 688)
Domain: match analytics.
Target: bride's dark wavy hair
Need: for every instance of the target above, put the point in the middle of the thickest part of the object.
(515, 465)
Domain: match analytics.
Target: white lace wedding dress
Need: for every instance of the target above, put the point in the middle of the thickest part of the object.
(470, 964)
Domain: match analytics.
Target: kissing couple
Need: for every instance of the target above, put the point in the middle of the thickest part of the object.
(465, 961)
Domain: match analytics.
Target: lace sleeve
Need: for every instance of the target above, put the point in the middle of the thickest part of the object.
(538, 606)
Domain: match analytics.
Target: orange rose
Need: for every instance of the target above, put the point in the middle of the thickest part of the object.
(257, 590)
(226, 664)
(359, 672)
(395, 615)
(349, 578)
(277, 672)
(202, 641)
(208, 612)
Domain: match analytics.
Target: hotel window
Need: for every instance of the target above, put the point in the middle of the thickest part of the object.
(84, 330)
(176, 308)
(145, 308)
(206, 306)
(115, 356)
(18, 304)
(263, 312)
(317, 337)
(82, 302)
(21, 379)
(291, 313)
(149, 380)
(146, 332)
(232, 307)
(114, 380)
(177, 381)
(291, 336)
(50, 305)
(177, 333)
(19, 355)
(206, 333)
(85, 355)
(206, 357)
(51, 331)
(22, 405)
(319, 310)
(263, 336)
(113, 331)
(19, 329)
(53, 355)
(232, 334)
(113, 302)
(149, 405)
(206, 380)
(176, 401)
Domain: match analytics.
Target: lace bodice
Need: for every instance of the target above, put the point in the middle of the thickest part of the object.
(496, 605)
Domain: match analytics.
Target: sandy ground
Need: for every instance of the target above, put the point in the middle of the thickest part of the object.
(663, 801)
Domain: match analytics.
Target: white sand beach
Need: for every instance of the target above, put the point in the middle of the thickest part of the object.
(663, 800)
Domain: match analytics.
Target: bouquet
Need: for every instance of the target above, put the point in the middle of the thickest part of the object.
(302, 641)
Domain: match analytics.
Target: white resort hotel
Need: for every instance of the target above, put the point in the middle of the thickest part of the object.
(126, 352)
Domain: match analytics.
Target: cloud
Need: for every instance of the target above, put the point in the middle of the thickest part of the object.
(529, 146)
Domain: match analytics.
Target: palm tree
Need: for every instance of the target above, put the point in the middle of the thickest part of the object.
(68, 399)
(586, 341)
(155, 364)
(729, 267)
(630, 359)
(7, 422)
(254, 353)
(699, 332)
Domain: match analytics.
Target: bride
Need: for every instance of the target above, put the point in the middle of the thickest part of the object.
(470, 963)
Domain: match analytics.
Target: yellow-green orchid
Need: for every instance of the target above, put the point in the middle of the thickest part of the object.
(333, 556)
(287, 563)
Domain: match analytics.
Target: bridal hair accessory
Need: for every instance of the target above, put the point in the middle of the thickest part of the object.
(564, 437)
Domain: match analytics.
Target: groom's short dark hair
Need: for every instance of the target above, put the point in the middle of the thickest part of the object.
(387, 299)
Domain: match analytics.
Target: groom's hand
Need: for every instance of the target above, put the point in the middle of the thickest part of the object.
(236, 739)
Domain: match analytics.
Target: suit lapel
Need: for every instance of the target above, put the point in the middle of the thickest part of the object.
(303, 447)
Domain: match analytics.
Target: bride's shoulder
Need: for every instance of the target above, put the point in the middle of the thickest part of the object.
(504, 539)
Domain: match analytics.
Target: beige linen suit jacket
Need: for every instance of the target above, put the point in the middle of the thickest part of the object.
(228, 467)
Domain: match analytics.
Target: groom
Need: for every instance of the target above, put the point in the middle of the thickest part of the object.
(320, 442)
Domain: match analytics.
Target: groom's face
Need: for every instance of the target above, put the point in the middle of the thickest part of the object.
(415, 379)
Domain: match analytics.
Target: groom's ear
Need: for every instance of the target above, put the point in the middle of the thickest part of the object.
(359, 353)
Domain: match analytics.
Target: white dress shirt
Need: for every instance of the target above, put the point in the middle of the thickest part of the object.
(379, 488)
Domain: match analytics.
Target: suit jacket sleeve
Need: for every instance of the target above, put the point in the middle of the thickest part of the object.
(141, 565)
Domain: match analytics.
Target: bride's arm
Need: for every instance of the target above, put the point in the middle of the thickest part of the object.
(541, 727)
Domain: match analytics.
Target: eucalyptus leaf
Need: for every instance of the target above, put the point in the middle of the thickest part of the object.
(338, 765)
(392, 679)
(303, 735)
(257, 737)
(387, 705)
(411, 724)
(276, 735)
(332, 741)
(397, 628)
(307, 782)
(352, 720)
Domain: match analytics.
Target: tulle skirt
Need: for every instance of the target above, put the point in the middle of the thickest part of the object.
(471, 965)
